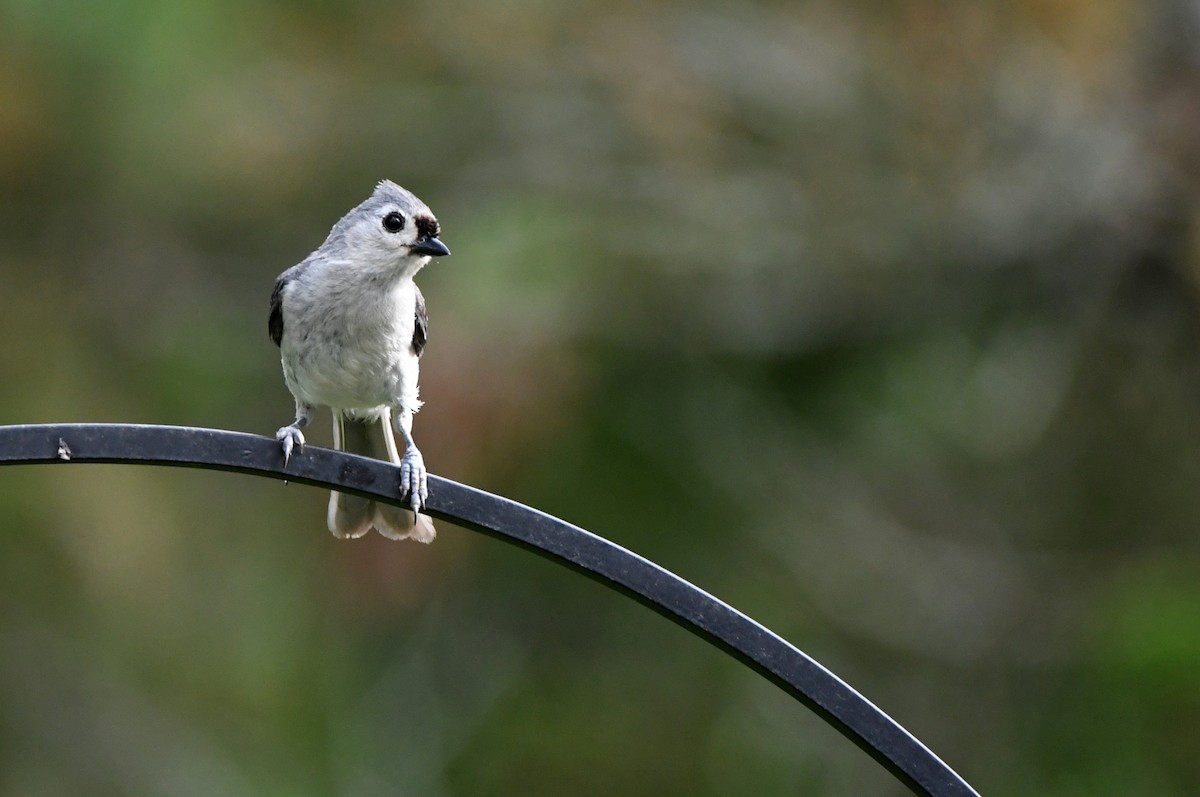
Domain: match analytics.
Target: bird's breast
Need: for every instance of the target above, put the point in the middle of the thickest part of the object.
(352, 349)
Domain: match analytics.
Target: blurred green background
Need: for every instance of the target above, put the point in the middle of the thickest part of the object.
(879, 321)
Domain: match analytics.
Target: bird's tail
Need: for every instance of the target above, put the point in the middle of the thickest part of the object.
(352, 516)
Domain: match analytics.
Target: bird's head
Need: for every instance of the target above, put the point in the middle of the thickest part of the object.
(391, 230)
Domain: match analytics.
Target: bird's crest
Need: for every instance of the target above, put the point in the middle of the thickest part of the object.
(389, 191)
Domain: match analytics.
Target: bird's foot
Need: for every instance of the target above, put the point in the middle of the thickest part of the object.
(291, 437)
(414, 482)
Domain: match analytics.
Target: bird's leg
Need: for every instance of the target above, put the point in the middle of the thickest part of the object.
(389, 437)
(291, 436)
(414, 482)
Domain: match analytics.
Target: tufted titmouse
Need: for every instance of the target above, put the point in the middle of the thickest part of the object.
(350, 324)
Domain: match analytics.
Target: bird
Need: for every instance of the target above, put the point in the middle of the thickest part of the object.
(351, 326)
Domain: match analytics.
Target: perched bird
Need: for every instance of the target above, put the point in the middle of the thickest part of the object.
(351, 325)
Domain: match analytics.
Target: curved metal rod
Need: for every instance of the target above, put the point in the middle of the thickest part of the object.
(689, 606)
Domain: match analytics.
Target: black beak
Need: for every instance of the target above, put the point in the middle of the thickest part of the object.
(430, 246)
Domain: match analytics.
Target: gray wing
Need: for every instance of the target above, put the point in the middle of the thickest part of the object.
(275, 320)
(420, 329)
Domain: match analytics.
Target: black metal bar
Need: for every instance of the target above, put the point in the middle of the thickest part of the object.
(689, 606)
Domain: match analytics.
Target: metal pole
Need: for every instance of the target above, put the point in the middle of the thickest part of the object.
(694, 609)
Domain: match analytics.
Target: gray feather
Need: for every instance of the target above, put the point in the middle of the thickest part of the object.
(421, 328)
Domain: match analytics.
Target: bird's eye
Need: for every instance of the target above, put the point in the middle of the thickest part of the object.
(393, 222)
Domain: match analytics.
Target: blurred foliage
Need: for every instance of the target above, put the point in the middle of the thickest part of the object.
(878, 321)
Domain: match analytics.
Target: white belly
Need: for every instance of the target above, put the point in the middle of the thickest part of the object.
(358, 362)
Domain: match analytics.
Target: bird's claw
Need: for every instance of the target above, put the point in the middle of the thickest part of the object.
(290, 437)
(414, 481)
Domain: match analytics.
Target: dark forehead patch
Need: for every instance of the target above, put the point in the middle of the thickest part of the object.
(427, 227)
